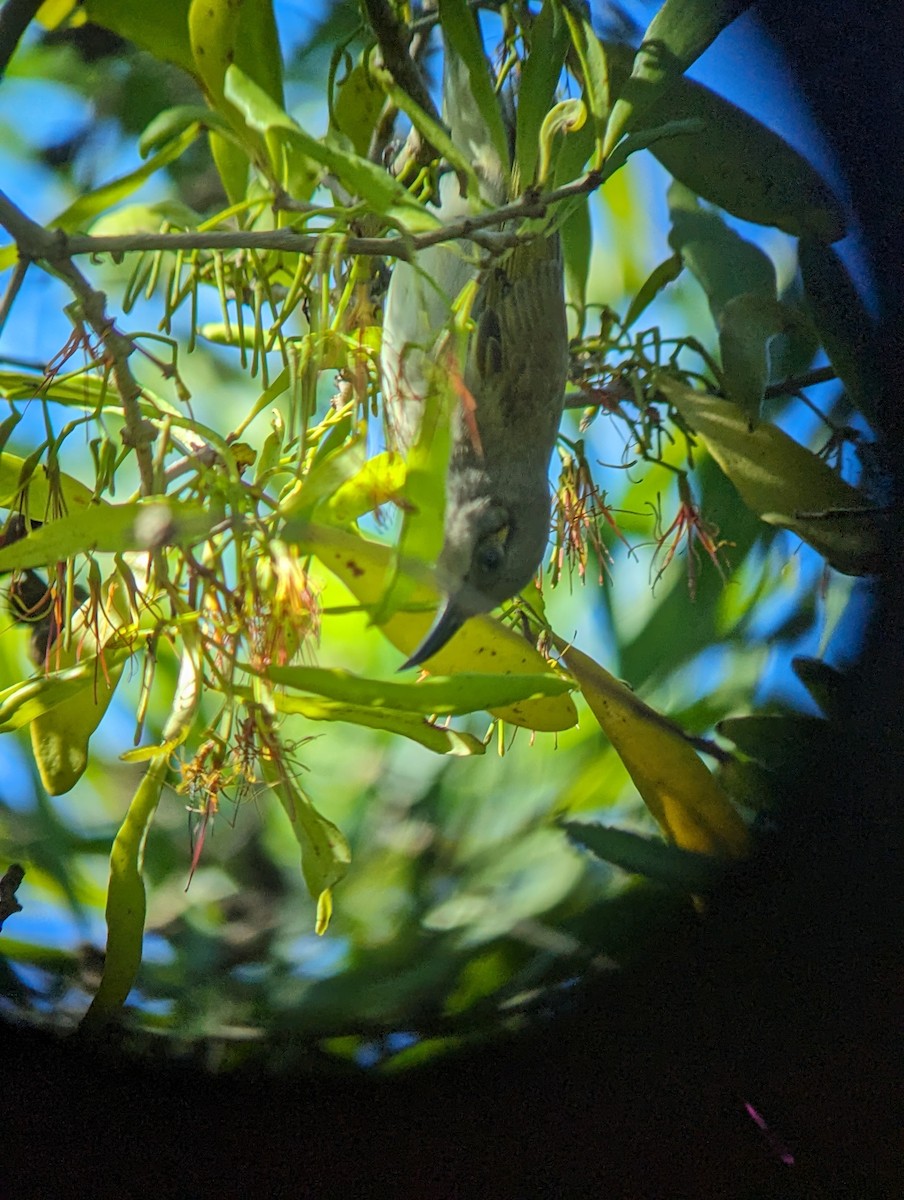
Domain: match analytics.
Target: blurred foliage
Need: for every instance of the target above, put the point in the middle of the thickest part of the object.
(208, 668)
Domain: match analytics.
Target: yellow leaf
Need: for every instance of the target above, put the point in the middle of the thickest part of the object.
(482, 645)
(683, 796)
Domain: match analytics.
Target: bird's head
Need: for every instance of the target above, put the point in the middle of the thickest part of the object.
(493, 543)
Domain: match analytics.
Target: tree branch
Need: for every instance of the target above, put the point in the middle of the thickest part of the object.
(36, 244)
(59, 248)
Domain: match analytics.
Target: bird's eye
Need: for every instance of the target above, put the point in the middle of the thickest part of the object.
(489, 556)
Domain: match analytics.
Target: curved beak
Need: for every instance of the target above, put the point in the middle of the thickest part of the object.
(450, 620)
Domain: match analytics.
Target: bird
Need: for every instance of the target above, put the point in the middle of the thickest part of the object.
(512, 386)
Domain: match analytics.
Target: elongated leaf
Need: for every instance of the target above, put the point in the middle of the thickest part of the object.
(126, 902)
(82, 212)
(721, 260)
(60, 736)
(379, 480)
(784, 483)
(676, 37)
(665, 863)
(443, 696)
(166, 36)
(462, 36)
(325, 854)
(843, 323)
(735, 161)
(482, 645)
(356, 107)
(22, 703)
(539, 78)
(777, 739)
(658, 279)
(115, 528)
(747, 326)
(362, 178)
(684, 798)
(595, 79)
(37, 494)
(402, 724)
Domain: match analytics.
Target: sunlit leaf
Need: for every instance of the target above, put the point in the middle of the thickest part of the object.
(595, 77)
(113, 528)
(784, 483)
(676, 37)
(39, 494)
(683, 796)
(482, 645)
(325, 854)
(400, 723)
(126, 902)
(365, 179)
(439, 695)
(22, 703)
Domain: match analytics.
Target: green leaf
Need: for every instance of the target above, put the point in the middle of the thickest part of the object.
(658, 279)
(660, 861)
(540, 72)
(675, 38)
(22, 703)
(462, 36)
(777, 739)
(174, 121)
(113, 528)
(595, 78)
(843, 323)
(357, 106)
(126, 903)
(684, 798)
(432, 130)
(735, 161)
(784, 483)
(577, 247)
(402, 724)
(37, 493)
(83, 211)
(365, 569)
(379, 480)
(60, 736)
(747, 325)
(362, 178)
(165, 36)
(444, 696)
(325, 854)
(721, 260)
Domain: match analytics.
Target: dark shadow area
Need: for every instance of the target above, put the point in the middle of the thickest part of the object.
(788, 997)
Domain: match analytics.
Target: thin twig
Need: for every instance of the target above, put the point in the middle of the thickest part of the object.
(36, 244)
(59, 247)
(794, 383)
